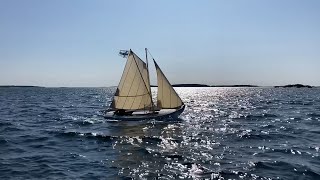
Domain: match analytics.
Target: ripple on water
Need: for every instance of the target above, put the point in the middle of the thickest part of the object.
(289, 170)
(224, 133)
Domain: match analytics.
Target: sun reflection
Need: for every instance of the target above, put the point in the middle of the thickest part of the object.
(224, 132)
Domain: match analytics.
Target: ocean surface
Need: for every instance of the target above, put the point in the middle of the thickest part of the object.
(224, 133)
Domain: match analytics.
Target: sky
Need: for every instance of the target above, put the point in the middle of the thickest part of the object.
(75, 43)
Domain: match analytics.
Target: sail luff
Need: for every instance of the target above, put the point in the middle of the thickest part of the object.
(166, 93)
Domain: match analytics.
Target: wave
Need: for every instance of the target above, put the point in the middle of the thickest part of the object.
(85, 122)
(223, 134)
(88, 135)
(12, 129)
(315, 115)
(92, 135)
(287, 169)
(31, 139)
(260, 116)
(5, 124)
(3, 141)
(174, 156)
(281, 152)
(270, 136)
(151, 139)
(23, 170)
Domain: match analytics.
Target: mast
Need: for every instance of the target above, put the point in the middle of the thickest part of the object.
(152, 105)
(147, 58)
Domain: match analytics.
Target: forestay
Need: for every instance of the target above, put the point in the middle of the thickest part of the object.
(133, 91)
(167, 96)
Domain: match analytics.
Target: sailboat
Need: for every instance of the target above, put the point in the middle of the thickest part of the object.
(133, 98)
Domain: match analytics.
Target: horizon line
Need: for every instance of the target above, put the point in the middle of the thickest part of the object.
(177, 85)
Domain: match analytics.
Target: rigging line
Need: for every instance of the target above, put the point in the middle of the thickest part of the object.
(146, 57)
(143, 78)
(152, 105)
(177, 101)
(136, 96)
(161, 89)
(125, 77)
(142, 101)
(150, 54)
(159, 72)
(170, 97)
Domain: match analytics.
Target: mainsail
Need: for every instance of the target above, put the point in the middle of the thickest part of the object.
(134, 90)
(167, 96)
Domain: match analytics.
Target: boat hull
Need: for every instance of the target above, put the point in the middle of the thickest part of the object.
(162, 114)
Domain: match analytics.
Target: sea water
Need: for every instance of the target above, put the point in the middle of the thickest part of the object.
(237, 133)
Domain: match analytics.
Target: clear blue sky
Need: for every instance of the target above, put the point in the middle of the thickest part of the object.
(76, 42)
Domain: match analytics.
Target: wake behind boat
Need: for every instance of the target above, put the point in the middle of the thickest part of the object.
(133, 98)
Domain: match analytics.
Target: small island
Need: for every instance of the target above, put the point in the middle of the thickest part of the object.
(294, 86)
(190, 85)
(204, 85)
(237, 85)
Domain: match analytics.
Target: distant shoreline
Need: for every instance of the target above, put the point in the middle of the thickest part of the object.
(205, 85)
(14, 86)
(177, 85)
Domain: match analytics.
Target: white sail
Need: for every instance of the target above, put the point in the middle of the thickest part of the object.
(133, 91)
(167, 96)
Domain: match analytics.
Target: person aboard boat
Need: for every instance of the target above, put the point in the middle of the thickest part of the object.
(122, 112)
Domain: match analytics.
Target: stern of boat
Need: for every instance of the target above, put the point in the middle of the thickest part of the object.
(178, 112)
